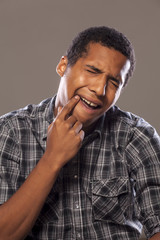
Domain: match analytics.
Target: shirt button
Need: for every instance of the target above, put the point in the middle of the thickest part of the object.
(78, 235)
(75, 176)
(77, 205)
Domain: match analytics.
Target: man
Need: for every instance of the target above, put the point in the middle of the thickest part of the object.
(76, 166)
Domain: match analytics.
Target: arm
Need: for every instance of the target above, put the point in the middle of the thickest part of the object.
(19, 213)
(145, 167)
(155, 237)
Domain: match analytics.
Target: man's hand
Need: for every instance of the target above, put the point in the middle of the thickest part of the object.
(155, 237)
(65, 136)
(64, 139)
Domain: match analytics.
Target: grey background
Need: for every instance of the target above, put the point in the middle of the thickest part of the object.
(34, 34)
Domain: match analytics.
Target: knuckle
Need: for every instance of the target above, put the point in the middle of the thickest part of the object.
(82, 134)
(66, 125)
(57, 121)
(79, 139)
(79, 124)
(72, 132)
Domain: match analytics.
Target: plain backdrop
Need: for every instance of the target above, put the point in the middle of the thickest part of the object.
(34, 34)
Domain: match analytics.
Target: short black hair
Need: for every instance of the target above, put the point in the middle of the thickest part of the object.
(106, 36)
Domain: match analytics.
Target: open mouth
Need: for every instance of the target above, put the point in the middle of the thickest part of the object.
(90, 104)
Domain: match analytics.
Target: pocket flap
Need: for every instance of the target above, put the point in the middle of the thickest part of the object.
(110, 187)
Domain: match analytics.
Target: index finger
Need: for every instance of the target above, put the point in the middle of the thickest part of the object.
(69, 107)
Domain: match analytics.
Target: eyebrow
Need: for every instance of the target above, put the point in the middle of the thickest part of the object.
(97, 70)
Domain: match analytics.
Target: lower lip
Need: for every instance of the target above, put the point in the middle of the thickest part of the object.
(88, 109)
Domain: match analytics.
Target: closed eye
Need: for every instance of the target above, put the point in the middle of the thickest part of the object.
(114, 84)
(91, 71)
(115, 81)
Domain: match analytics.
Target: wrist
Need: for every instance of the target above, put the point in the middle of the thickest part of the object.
(51, 164)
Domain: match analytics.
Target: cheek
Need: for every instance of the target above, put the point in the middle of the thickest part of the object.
(116, 96)
(112, 95)
(82, 79)
(77, 83)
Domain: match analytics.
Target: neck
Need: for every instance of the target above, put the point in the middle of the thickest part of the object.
(89, 129)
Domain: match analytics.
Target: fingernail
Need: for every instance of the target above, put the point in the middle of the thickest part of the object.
(76, 97)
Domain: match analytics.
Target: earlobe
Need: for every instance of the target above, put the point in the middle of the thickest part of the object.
(62, 66)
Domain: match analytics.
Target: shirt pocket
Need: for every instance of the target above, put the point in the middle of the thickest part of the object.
(111, 199)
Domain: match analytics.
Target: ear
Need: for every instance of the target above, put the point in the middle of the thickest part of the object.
(62, 66)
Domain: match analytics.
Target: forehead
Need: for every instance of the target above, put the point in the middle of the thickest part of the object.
(96, 49)
(104, 56)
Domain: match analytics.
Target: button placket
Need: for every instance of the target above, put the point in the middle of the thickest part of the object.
(78, 235)
(77, 205)
(75, 176)
(76, 200)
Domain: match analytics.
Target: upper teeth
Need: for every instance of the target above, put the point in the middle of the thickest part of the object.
(89, 103)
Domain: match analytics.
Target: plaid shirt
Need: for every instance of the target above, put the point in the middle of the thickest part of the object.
(107, 191)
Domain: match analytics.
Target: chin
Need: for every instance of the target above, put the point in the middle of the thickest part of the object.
(87, 123)
(80, 118)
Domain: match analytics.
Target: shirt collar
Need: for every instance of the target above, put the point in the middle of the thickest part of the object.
(41, 118)
(101, 127)
(49, 117)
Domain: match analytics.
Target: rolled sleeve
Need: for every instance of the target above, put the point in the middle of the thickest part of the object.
(148, 198)
(143, 154)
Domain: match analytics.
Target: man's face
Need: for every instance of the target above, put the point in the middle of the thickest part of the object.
(97, 78)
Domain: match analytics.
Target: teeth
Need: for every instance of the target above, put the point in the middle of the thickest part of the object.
(89, 103)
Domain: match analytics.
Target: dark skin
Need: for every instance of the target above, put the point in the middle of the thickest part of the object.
(67, 130)
(93, 78)
(17, 220)
(98, 78)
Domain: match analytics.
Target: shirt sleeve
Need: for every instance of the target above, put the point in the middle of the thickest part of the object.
(144, 155)
(9, 162)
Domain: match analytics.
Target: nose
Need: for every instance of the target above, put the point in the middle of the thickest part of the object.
(98, 86)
